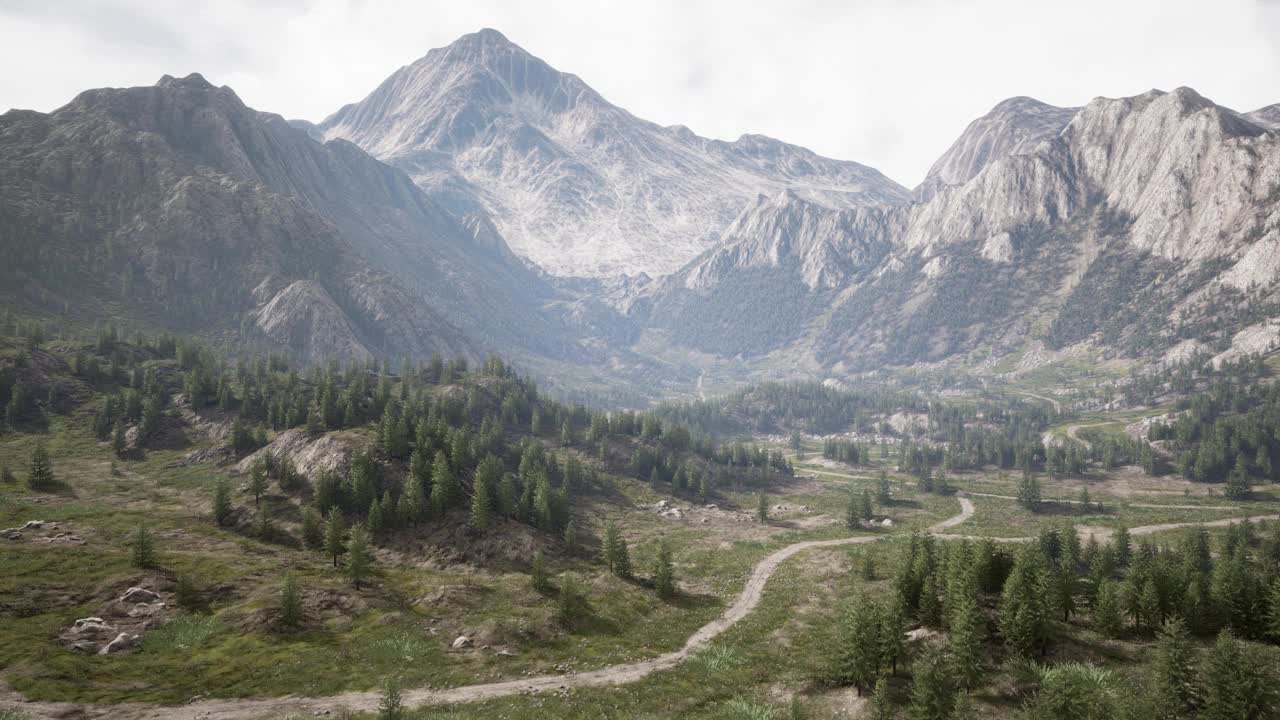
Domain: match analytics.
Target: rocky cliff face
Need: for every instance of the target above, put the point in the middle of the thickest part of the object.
(1013, 127)
(575, 184)
(1131, 223)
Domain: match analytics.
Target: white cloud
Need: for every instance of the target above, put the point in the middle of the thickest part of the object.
(888, 83)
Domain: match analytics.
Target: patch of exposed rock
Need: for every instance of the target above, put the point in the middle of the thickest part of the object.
(311, 454)
(121, 624)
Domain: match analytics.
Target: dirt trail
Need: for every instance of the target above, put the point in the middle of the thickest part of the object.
(1148, 529)
(1057, 407)
(1157, 506)
(746, 601)
(1075, 428)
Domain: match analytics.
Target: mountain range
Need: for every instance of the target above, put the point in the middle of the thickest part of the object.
(479, 200)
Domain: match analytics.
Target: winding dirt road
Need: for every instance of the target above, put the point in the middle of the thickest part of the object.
(746, 601)
(1157, 506)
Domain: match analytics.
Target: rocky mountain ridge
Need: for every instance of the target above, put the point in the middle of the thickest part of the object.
(1131, 227)
(193, 211)
(1040, 225)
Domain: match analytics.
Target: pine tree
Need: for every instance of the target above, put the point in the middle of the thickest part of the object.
(1024, 621)
(857, 655)
(40, 478)
(184, 592)
(884, 493)
(882, 707)
(373, 521)
(290, 602)
(1123, 545)
(570, 538)
(361, 483)
(1175, 672)
(609, 546)
(312, 528)
(852, 512)
(543, 502)
(1029, 492)
(538, 573)
(221, 501)
(622, 563)
(257, 480)
(762, 508)
(334, 536)
(263, 528)
(962, 707)
(119, 444)
(1063, 581)
(967, 649)
(1149, 602)
(1238, 481)
(6, 475)
(481, 505)
(664, 580)
(1107, 617)
(929, 611)
(505, 501)
(1273, 612)
(143, 551)
(893, 630)
(570, 606)
(1076, 691)
(1236, 686)
(932, 692)
(868, 568)
(864, 508)
(444, 486)
(391, 704)
(359, 560)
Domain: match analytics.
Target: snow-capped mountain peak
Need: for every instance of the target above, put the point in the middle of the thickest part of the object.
(576, 184)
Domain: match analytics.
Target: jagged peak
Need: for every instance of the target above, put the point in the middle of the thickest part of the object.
(1181, 102)
(194, 81)
(484, 36)
(483, 47)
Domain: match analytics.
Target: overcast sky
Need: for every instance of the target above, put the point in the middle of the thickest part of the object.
(889, 83)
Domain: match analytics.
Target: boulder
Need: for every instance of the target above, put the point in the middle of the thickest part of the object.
(146, 610)
(460, 642)
(88, 634)
(33, 525)
(922, 634)
(11, 534)
(122, 642)
(135, 595)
